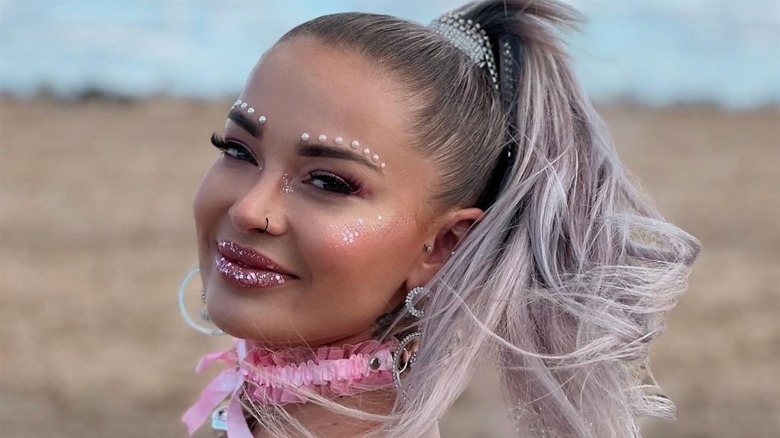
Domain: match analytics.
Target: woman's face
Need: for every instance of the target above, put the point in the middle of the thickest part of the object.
(346, 223)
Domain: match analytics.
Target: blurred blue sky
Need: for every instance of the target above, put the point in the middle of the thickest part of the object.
(656, 52)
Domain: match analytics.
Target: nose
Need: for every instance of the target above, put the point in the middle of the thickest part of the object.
(260, 209)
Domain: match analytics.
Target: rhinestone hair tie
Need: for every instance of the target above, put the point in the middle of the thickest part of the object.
(470, 38)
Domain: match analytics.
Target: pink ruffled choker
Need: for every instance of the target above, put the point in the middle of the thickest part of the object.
(280, 377)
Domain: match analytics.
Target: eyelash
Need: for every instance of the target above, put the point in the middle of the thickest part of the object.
(232, 149)
(344, 186)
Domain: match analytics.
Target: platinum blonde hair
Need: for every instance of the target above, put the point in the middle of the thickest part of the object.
(567, 278)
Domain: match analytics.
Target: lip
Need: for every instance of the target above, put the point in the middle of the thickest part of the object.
(247, 268)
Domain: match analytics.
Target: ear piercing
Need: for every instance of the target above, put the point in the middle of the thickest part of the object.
(427, 248)
(354, 144)
(249, 110)
(410, 301)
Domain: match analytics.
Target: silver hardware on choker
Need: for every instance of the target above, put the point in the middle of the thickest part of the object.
(470, 38)
(219, 420)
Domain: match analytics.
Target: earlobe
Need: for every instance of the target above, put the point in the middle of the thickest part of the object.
(447, 233)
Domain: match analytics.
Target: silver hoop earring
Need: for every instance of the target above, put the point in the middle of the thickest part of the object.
(409, 303)
(403, 359)
(183, 309)
(267, 222)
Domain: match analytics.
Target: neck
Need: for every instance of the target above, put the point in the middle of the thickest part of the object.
(326, 422)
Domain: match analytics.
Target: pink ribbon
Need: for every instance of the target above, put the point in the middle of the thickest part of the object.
(228, 381)
(280, 377)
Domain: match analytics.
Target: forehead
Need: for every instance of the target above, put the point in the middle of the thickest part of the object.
(303, 84)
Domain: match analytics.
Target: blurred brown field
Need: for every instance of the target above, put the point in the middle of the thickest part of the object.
(96, 233)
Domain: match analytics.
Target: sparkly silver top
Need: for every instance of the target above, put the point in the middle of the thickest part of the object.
(469, 38)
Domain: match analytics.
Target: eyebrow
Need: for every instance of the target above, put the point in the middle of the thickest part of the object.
(318, 150)
(240, 119)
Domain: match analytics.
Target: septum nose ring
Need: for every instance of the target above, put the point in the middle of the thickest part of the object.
(266, 226)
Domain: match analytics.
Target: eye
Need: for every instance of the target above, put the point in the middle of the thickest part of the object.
(332, 183)
(233, 149)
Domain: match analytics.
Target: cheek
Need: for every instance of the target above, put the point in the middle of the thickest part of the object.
(365, 235)
(207, 202)
(210, 206)
(366, 250)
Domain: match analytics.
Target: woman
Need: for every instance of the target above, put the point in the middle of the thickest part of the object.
(395, 203)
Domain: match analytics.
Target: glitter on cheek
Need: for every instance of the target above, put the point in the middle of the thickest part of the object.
(286, 184)
(386, 225)
(349, 234)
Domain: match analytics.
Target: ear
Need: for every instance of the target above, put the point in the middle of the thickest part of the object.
(445, 234)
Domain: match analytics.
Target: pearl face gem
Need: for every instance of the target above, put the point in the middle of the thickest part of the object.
(261, 119)
(251, 110)
(339, 140)
(244, 105)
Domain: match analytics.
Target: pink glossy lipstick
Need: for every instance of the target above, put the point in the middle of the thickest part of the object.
(247, 268)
